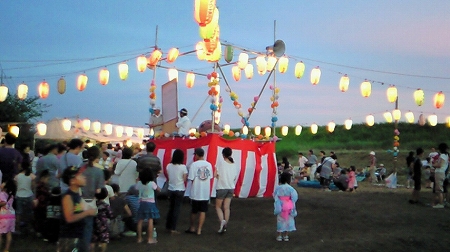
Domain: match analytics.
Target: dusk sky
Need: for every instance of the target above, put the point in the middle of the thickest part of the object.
(405, 43)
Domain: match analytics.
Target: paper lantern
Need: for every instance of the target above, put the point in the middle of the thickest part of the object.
(421, 120)
(419, 97)
(392, 93)
(129, 131)
(61, 85)
(3, 92)
(204, 11)
(154, 58)
(298, 130)
(66, 124)
(343, 83)
(103, 76)
(192, 131)
(267, 131)
(82, 82)
(330, 127)
(447, 122)
(366, 88)
(249, 71)
(396, 114)
(43, 90)
(140, 133)
(141, 63)
(226, 128)
(172, 55)
(22, 91)
(215, 56)
(315, 75)
(119, 131)
(96, 127)
(261, 64)
(190, 79)
(173, 74)
(284, 130)
(86, 124)
(432, 120)
(245, 130)
(283, 63)
(123, 71)
(108, 129)
(299, 70)
(211, 44)
(348, 124)
(41, 129)
(129, 143)
(228, 53)
(243, 60)
(439, 99)
(409, 117)
(207, 32)
(257, 130)
(236, 73)
(14, 130)
(388, 116)
(200, 50)
(314, 128)
(271, 61)
(370, 120)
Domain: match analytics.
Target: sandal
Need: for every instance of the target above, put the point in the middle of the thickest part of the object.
(279, 238)
(286, 238)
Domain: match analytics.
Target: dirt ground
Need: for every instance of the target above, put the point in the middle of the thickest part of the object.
(373, 219)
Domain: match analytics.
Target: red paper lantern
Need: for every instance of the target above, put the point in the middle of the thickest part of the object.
(43, 89)
(439, 99)
(204, 11)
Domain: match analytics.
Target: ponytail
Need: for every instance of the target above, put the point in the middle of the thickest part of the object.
(231, 159)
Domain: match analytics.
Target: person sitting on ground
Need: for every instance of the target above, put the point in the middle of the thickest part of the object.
(341, 182)
(305, 172)
(120, 211)
(132, 200)
(382, 173)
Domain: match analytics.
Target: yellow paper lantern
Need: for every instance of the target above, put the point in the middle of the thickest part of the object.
(140, 133)
(172, 55)
(103, 76)
(245, 130)
(151, 132)
(86, 124)
(41, 129)
(22, 91)
(154, 58)
(129, 143)
(204, 11)
(61, 85)
(236, 73)
(249, 71)
(409, 117)
(267, 131)
(419, 97)
(200, 50)
(82, 82)
(343, 83)
(14, 130)
(226, 128)
(173, 74)
(439, 99)
(447, 121)
(216, 55)
(190, 79)
(315, 75)
(366, 88)
(348, 124)
(284, 130)
(392, 93)
(119, 131)
(298, 130)
(43, 90)
(108, 129)
(66, 124)
(97, 127)
(396, 114)
(257, 130)
(207, 32)
(388, 116)
(271, 61)
(370, 120)
(432, 120)
(299, 70)
(123, 71)
(330, 127)
(129, 131)
(261, 64)
(283, 63)
(141, 63)
(3, 92)
(314, 128)
(243, 60)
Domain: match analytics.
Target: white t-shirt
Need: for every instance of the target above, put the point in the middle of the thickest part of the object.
(126, 170)
(110, 193)
(444, 164)
(183, 125)
(24, 189)
(200, 172)
(227, 175)
(302, 161)
(175, 173)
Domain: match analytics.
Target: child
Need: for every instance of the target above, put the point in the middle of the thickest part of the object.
(53, 215)
(285, 197)
(101, 232)
(72, 224)
(7, 213)
(107, 175)
(352, 178)
(120, 210)
(147, 206)
(41, 202)
(24, 195)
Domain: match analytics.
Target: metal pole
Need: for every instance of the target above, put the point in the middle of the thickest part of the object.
(274, 110)
(396, 128)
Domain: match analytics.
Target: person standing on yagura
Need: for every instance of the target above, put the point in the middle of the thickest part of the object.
(285, 197)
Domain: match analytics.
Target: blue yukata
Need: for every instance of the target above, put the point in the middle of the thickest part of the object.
(285, 197)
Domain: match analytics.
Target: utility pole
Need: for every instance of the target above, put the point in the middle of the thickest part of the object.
(3, 76)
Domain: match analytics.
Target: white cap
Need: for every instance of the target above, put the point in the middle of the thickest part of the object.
(381, 164)
(372, 153)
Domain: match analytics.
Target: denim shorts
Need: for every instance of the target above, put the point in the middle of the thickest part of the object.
(24, 205)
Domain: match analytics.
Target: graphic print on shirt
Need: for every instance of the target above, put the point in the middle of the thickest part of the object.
(203, 173)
